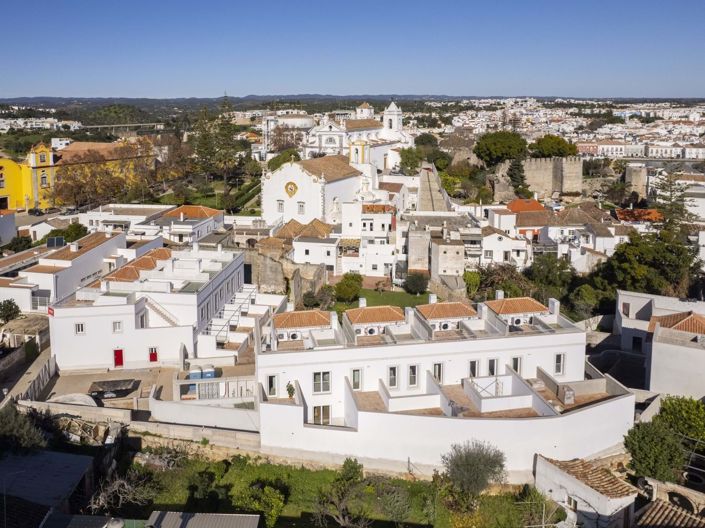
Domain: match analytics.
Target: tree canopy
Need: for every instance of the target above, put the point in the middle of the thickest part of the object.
(550, 146)
(496, 147)
(282, 158)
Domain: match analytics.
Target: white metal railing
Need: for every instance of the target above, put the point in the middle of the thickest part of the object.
(231, 312)
(40, 304)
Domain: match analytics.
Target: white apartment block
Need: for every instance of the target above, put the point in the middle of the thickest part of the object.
(392, 386)
(163, 308)
(121, 217)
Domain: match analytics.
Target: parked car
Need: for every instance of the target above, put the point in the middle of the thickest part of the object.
(52, 210)
(69, 211)
(35, 211)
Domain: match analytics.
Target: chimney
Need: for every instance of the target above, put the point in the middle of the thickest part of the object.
(362, 302)
(408, 314)
(499, 294)
(220, 248)
(432, 298)
(181, 216)
(73, 247)
(481, 310)
(196, 246)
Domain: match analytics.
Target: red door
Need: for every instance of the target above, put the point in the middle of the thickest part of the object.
(117, 356)
(152, 355)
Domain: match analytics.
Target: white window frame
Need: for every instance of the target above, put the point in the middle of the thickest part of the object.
(475, 362)
(280, 206)
(79, 328)
(492, 366)
(322, 419)
(301, 208)
(359, 379)
(322, 389)
(393, 373)
(438, 378)
(519, 362)
(415, 375)
(559, 364)
(117, 327)
(272, 385)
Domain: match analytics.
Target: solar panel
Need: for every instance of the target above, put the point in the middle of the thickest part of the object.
(55, 242)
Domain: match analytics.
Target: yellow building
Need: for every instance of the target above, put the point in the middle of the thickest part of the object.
(28, 184)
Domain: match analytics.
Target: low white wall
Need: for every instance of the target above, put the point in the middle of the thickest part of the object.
(397, 438)
(90, 414)
(410, 403)
(202, 415)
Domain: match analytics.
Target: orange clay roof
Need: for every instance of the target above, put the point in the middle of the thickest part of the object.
(41, 268)
(302, 319)
(516, 305)
(519, 205)
(193, 211)
(390, 187)
(684, 321)
(446, 310)
(661, 514)
(362, 124)
(130, 272)
(598, 478)
(378, 208)
(638, 215)
(375, 314)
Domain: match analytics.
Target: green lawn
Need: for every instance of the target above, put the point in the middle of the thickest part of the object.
(392, 298)
(302, 484)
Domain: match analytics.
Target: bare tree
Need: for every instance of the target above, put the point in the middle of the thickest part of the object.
(117, 491)
(341, 501)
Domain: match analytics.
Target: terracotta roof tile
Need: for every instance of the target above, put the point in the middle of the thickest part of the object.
(390, 187)
(362, 124)
(330, 168)
(684, 321)
(660, 514)
(375, 314)
(192, 212)
(130, 272)
(445, 310)
(638, 215)
(525, 204)
(516, 305)
(378, 208)
(302, 319)
(533, 218)
(598, 478)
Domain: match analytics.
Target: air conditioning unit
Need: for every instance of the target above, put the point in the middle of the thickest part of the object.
(372, 331)
(294, 336)
(434, 326)
(281, 336)
(517, 322)
(358, 331)
(445, 326)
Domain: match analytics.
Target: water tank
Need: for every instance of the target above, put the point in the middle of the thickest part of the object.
(208, 372)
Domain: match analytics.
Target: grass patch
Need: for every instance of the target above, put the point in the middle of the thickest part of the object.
(303, 485)
(392, 298)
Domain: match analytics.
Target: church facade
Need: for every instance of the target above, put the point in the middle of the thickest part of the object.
(379, 137)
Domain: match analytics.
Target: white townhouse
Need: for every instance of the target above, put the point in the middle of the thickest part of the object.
(162, 308)
(121, 217)
(670, 333)
(395, 386)
(185, 224)
(695, 151)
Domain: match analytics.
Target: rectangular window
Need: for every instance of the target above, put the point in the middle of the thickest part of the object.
(271, 385)
(302, 208)
(438, 372)
(572, 503)
(280, 206)
(321, 382)
(559, 364)
(413, 375)
(516, 364)
(488, 254)
(143, 320)
(321, 414)
(356, 379)
(474, 369)
(374, 267)
(42, 158)
(44, 181)
(328, 253)
(625, 309)
(79, 329)
(2, 183)
(306, 252)
(392, 377)
(491, 367)
(117, 327)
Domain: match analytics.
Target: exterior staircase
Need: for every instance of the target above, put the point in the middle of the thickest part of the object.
(161, 312)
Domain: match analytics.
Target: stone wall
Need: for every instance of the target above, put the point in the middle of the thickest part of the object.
(544, 176)
(445, 293)
(274, 273)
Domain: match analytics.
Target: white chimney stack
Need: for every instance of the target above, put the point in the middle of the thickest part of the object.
(73, 247)
(362, 302)
(499, 294)
(181, 216)
(432, 298)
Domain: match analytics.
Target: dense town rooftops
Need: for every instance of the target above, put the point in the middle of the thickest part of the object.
(330, 168)
(516, 305)
(446, 310)
(598, 478)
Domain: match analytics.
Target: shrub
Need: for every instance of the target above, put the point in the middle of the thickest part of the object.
(656, 452)
(684, 416)
(31, 351)
(19, 243)
(469, 468)
(416, 283)
(310, 300)
(9, 310)
(265, 497)
(18, 433)
(348, 289)
(472, 282)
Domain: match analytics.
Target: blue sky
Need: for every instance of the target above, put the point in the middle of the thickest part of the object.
(179, 48)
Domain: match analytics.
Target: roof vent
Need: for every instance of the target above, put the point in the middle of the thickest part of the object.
(73, 247)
